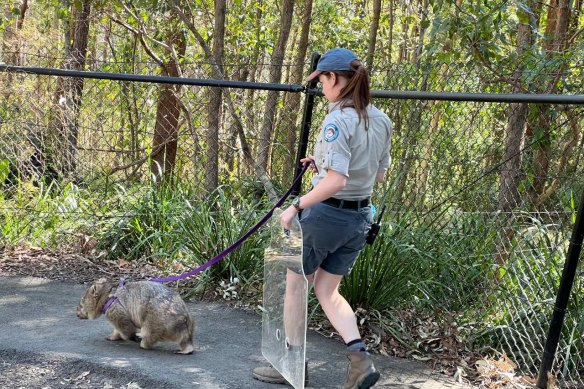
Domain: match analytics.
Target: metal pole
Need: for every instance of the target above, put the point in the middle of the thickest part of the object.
(562, 298)
(311, 90)
(153, 79)
(305, 127)
(478, 97)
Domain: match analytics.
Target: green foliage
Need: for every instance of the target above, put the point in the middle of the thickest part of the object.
(461, 245)
(425, 264)
(210, 227)
(386, 273)
(147, 228)
(4, 169)
(527, 285)
(44, 215)
(169, 226)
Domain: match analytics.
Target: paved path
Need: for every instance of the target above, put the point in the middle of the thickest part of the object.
(38, 322)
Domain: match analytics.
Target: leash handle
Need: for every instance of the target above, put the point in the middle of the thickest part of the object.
(228, 250)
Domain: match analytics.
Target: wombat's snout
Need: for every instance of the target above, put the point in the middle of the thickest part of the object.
(80, 313)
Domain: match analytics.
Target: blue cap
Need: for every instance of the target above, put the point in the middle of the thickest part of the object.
(338, 59)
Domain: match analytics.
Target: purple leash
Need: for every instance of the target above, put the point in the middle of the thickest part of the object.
(223, 254)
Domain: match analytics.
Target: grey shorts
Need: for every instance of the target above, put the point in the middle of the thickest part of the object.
(333, 237)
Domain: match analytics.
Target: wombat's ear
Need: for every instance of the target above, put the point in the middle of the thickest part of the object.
(98, 286)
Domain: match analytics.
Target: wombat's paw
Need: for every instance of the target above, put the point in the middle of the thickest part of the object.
(146, 345)
(185, 351)
(115, 336)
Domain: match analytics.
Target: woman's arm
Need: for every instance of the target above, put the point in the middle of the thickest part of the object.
(330, 185)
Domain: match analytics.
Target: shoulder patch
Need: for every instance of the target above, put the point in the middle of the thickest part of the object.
(331, 132)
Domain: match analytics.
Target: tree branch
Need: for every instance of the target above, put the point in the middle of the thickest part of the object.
(568, 146)
(217, 73)
(140, 36)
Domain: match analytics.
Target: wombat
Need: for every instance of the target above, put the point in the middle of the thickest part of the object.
(144, 309)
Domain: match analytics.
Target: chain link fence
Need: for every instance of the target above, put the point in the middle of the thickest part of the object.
(488, 192)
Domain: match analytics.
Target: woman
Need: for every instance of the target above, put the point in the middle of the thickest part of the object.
(351, 154)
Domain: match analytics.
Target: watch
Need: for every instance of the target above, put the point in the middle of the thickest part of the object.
(296, 204)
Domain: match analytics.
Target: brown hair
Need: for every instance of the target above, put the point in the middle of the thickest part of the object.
(356, 93)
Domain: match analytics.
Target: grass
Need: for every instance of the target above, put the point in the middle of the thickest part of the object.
(45, 215)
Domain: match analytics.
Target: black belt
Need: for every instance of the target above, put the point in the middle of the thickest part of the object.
(346, 204)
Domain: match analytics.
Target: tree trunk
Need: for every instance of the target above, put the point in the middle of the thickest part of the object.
(422, 31)
(555, 42)
(373, 32)
(78, 58)
(214, 112)
(245, 147)
(391, 24)
(415, 122)
(290, 120)
(267, 129)
(249, 110)
(165, 139)
(11, 41)
(60, 152)
(403, 46)
(430, 142)
(509, 197)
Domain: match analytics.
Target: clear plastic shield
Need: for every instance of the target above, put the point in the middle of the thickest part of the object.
(285, 302)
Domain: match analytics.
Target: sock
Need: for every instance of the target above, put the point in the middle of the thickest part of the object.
(356, 345)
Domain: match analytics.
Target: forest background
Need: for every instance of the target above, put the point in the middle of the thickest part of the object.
(480, 200)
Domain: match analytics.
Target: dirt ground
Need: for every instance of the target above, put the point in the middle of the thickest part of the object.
(68, 265)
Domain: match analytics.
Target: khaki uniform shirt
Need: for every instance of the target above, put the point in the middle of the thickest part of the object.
(347, 147)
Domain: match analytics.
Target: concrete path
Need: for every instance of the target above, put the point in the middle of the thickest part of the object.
(38, 323)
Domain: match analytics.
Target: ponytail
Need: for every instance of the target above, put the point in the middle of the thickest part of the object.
(356, 93)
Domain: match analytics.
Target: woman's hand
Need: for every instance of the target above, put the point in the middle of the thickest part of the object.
(310, 162)
(287, 216)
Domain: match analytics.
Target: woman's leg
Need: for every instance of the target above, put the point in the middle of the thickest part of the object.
(335, 306)
(362, 372)
(295, 306)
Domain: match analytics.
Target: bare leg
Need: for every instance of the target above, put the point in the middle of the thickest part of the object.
(336, 308)
(293, 309)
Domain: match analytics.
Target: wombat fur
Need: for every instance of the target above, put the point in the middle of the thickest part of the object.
(144, 309)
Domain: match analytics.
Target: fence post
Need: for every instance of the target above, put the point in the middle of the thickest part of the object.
(562, 298)
(305, 126)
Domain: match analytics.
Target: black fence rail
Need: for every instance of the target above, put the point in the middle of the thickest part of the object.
(481, 202)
